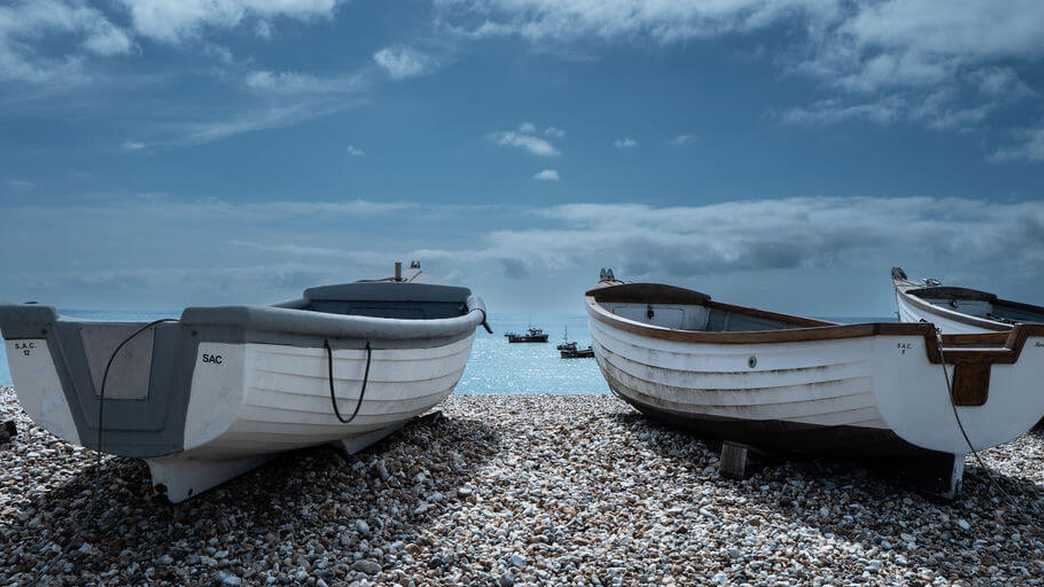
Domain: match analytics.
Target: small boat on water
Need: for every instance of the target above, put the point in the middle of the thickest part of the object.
(577, 353)
(958, 310)
(794, 384)
(566, 344)
(209, 396)
(531, 335)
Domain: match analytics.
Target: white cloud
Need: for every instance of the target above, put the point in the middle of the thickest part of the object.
(1029, 146)
(86, 32)
(1000, 82)
(294, 83)
(646, 241)
(684, 139)
(133, 145)
(554, 132)
(831, 111)
(175, 21)
(264, 29)
(197, 133)
(546, 175)
(404, 62)
(284, 99)
(883, 49)
(355, 151)
(809, 255)
(942, 110)
(569, 20)
(20, 184)
(625, 143)
(525, 138)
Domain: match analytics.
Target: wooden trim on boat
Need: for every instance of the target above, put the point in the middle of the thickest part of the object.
(971, 384)
(956, 349)
(657, 293)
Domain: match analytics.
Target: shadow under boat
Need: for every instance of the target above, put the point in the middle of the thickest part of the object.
(310, 493)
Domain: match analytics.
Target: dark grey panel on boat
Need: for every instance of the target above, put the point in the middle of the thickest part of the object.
(726, 321)
(19, 321)
(388, 291)
(388, 299)
(1017, 313)
(304, 322)
(131, 379)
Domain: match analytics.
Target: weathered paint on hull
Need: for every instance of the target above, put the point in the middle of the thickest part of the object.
(884, 383)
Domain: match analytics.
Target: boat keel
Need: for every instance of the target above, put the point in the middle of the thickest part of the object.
(350, 446)
(179, 479)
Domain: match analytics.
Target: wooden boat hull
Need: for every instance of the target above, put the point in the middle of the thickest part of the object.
(875, 389)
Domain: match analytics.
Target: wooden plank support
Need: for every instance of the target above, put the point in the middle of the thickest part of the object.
(8, 430)
(735, 460)
(937, 474)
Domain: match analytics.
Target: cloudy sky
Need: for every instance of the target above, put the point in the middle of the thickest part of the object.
(780, 153)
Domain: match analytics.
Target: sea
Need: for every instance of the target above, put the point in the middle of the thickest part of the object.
(495, 367)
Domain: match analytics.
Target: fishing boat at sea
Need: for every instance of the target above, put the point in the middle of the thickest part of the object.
(577, 353)
(958, 310)
(794, 384)
(531, 335)
(218, 391)
(566, 344)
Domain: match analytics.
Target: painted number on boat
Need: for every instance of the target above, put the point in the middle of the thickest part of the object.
(209, 358)
(26, 347)
(903, 347)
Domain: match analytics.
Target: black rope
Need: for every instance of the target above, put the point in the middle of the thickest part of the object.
(101, 394)
(485, 324)
(362, 392)
(956, 416)
(105, 376)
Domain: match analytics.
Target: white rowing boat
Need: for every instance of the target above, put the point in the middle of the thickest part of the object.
(958, 310)
(217, 392)
(803, 385)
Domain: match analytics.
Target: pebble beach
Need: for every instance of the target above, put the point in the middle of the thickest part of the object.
(512, 490)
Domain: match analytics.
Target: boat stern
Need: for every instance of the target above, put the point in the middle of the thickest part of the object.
(33, 370)
(59, 366)
(968, 393)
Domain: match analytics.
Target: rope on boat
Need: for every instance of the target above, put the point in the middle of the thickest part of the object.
(957, 416)
(105, 379)
(485, 324)
(362, 392)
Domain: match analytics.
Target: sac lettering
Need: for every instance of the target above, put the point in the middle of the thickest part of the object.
(209, 358)
(27, 347)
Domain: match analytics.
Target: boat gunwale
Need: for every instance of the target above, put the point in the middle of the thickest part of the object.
(314, 323)
(911, 293)
(1004, 347)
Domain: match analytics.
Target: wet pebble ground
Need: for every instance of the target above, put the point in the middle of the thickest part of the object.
(507, 490)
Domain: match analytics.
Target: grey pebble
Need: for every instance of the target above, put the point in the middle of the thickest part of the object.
(578, 490)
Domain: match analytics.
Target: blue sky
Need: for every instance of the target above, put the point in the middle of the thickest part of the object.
(160, 153)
